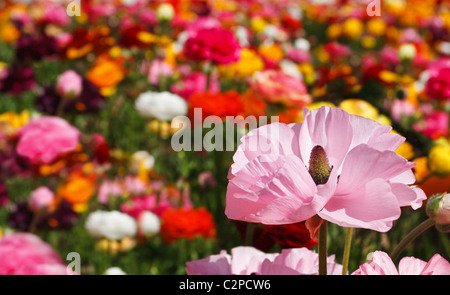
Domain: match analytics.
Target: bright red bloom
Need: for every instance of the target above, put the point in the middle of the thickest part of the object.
(217, 104)
(187, 224)
(212, 44)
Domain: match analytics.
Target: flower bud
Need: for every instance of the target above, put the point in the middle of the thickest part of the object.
(438, 209)
(42, 199)
(165, 11)
(69, 84)
(407, 52)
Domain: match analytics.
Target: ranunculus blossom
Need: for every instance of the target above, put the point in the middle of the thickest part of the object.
(433, 125)
(163, 106)
(212, 44)
(42, 198)
(27, 254)
(438, 84)
(69, 84)
(43, 139)
(277, 87)
(381, 264)
(246, 260)
(342, 167)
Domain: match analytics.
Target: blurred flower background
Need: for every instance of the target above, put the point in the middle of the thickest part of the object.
(87, 102)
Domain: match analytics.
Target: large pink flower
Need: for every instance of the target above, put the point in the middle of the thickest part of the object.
(246, 260)
(27, 254)
(277, 87)
(212, 44)
(342, 167)
(381, 264)
(43, 139)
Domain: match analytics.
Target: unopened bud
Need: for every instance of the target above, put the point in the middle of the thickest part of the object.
(438, 209)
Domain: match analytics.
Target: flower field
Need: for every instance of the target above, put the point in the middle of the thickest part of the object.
(216, 137)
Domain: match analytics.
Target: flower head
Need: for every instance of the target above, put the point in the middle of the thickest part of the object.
(43, 139)
(381, 264)
(342, 167)
(113, 225)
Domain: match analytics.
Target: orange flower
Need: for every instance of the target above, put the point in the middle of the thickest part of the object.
(106, 73)
(187, 224)
(78, 188)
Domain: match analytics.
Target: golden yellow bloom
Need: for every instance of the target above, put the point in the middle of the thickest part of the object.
(439, 158)
(359, 107)
(334, 31)
(271, 51)
(352, 28)
(258, 24)
(368, 42)
(110, 246)
(248, 64)
(376, 26)
(15, 120)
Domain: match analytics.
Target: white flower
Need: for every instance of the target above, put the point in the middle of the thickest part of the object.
(163, 106)
(149, 223)
(407, 51)
(142, 158)
(114, 271)
(113, 225)
(165, 11)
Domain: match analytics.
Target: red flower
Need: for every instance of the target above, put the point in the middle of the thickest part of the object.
(214, 44)
(287, 236)
(217, 104)
(187, 224)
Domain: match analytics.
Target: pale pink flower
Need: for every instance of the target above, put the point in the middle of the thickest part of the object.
(43, 139)
(381, 264)
(245, 260)
(342, 167)
(159, 68)
(42, 199)
(69, 84)
(277, 87)
(109, 189)
(27, 254)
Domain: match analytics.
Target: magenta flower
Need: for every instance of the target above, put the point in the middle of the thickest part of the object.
(27, 254)
(438, 85)
(246, 260)
(342, 167)
(212, 44)
(43, 139)
(381, 264)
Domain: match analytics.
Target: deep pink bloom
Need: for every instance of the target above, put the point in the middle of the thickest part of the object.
(212, 44)
(433, 125)
(246, 260)
(194, 82)
(134, 206)
(27, 254)
(438, 84)
(381, 264)
(43, 139)
(342, 167)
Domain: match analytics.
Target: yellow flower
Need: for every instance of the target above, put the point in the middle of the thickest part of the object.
(439, 158)
(11, 122)
(334, 31)
(248, 64)
(376, 26)
(359, 107)
(352, 28)
(368, 42)
(258, 24)
(272, 51)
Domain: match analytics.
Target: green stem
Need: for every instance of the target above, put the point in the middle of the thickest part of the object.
(347, 246)
(417, 231)
(323, 248)
(249, 232)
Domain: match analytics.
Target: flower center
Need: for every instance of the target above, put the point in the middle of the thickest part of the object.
(319, 168)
